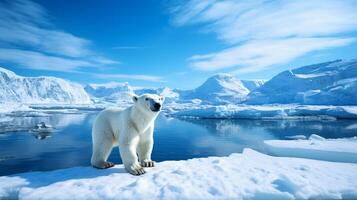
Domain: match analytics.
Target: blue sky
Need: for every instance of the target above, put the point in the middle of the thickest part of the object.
(172, 43)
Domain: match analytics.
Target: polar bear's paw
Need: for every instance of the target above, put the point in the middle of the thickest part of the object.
(135, 169)
(104, 165)
(147, 163)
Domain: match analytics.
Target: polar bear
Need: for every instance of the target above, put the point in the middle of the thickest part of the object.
(131, 129)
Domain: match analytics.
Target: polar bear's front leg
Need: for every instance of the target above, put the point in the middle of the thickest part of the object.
(128, 155)
(144, 151)
(145, 146)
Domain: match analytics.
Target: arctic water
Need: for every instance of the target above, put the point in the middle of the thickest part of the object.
(70, 144)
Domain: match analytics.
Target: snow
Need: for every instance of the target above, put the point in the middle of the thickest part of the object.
(114, 92)
(40, 90)
(250, 175)
(221, 89)
(314, 137)
(330, 83)
(9, 107)
(171, 95)
(218, 89)
(316, 142)
(285, 111)
(316, 147)
(296, 137)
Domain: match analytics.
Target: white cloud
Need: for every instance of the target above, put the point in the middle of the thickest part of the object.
(131, 77)
(39, 61)
(258, 54)
(24, 26)
(263, 33)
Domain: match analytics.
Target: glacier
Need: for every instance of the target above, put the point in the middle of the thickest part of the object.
(15, 89)
(329, 83)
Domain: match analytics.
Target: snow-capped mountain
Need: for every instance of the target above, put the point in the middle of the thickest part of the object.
(221, 89)
(169, 94)
(218, 89)
(39, 90)
(113, 92)
(330, 83)
(117, 92)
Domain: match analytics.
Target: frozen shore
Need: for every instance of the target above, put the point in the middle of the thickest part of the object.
(316, 147)
(250, 175)
(275, 111)
(192, 110)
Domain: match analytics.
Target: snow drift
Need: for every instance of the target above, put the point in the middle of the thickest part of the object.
(330, 83)
(250, 175)
(39, 90)
(316, 147)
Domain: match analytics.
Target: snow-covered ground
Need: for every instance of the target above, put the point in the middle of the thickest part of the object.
(277, 111)
(250, 175)
(316, 147)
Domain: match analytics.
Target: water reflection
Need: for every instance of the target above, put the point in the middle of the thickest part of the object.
(175, 139)
(25, 150)
(281, 129)
(42, 135)
(21, 124)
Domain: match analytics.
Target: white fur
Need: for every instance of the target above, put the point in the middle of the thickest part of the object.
(131, 129)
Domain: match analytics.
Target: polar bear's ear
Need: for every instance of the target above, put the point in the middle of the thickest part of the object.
(135, 98)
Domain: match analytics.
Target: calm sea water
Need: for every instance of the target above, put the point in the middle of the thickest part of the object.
(175, 139)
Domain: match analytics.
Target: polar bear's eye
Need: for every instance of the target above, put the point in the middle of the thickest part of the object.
(146, 99)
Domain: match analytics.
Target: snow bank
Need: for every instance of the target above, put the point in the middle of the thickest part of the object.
(13, 107)
(250, 175)
(316, 147)
(287, 111)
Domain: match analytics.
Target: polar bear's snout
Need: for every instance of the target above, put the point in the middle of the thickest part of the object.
(155, 106)
(152, 102)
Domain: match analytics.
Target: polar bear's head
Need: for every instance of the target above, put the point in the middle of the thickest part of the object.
(150, 102)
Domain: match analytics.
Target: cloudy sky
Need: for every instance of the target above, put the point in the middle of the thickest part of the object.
(172, 43)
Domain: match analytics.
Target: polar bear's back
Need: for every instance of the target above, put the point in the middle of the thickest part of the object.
(106, 119)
